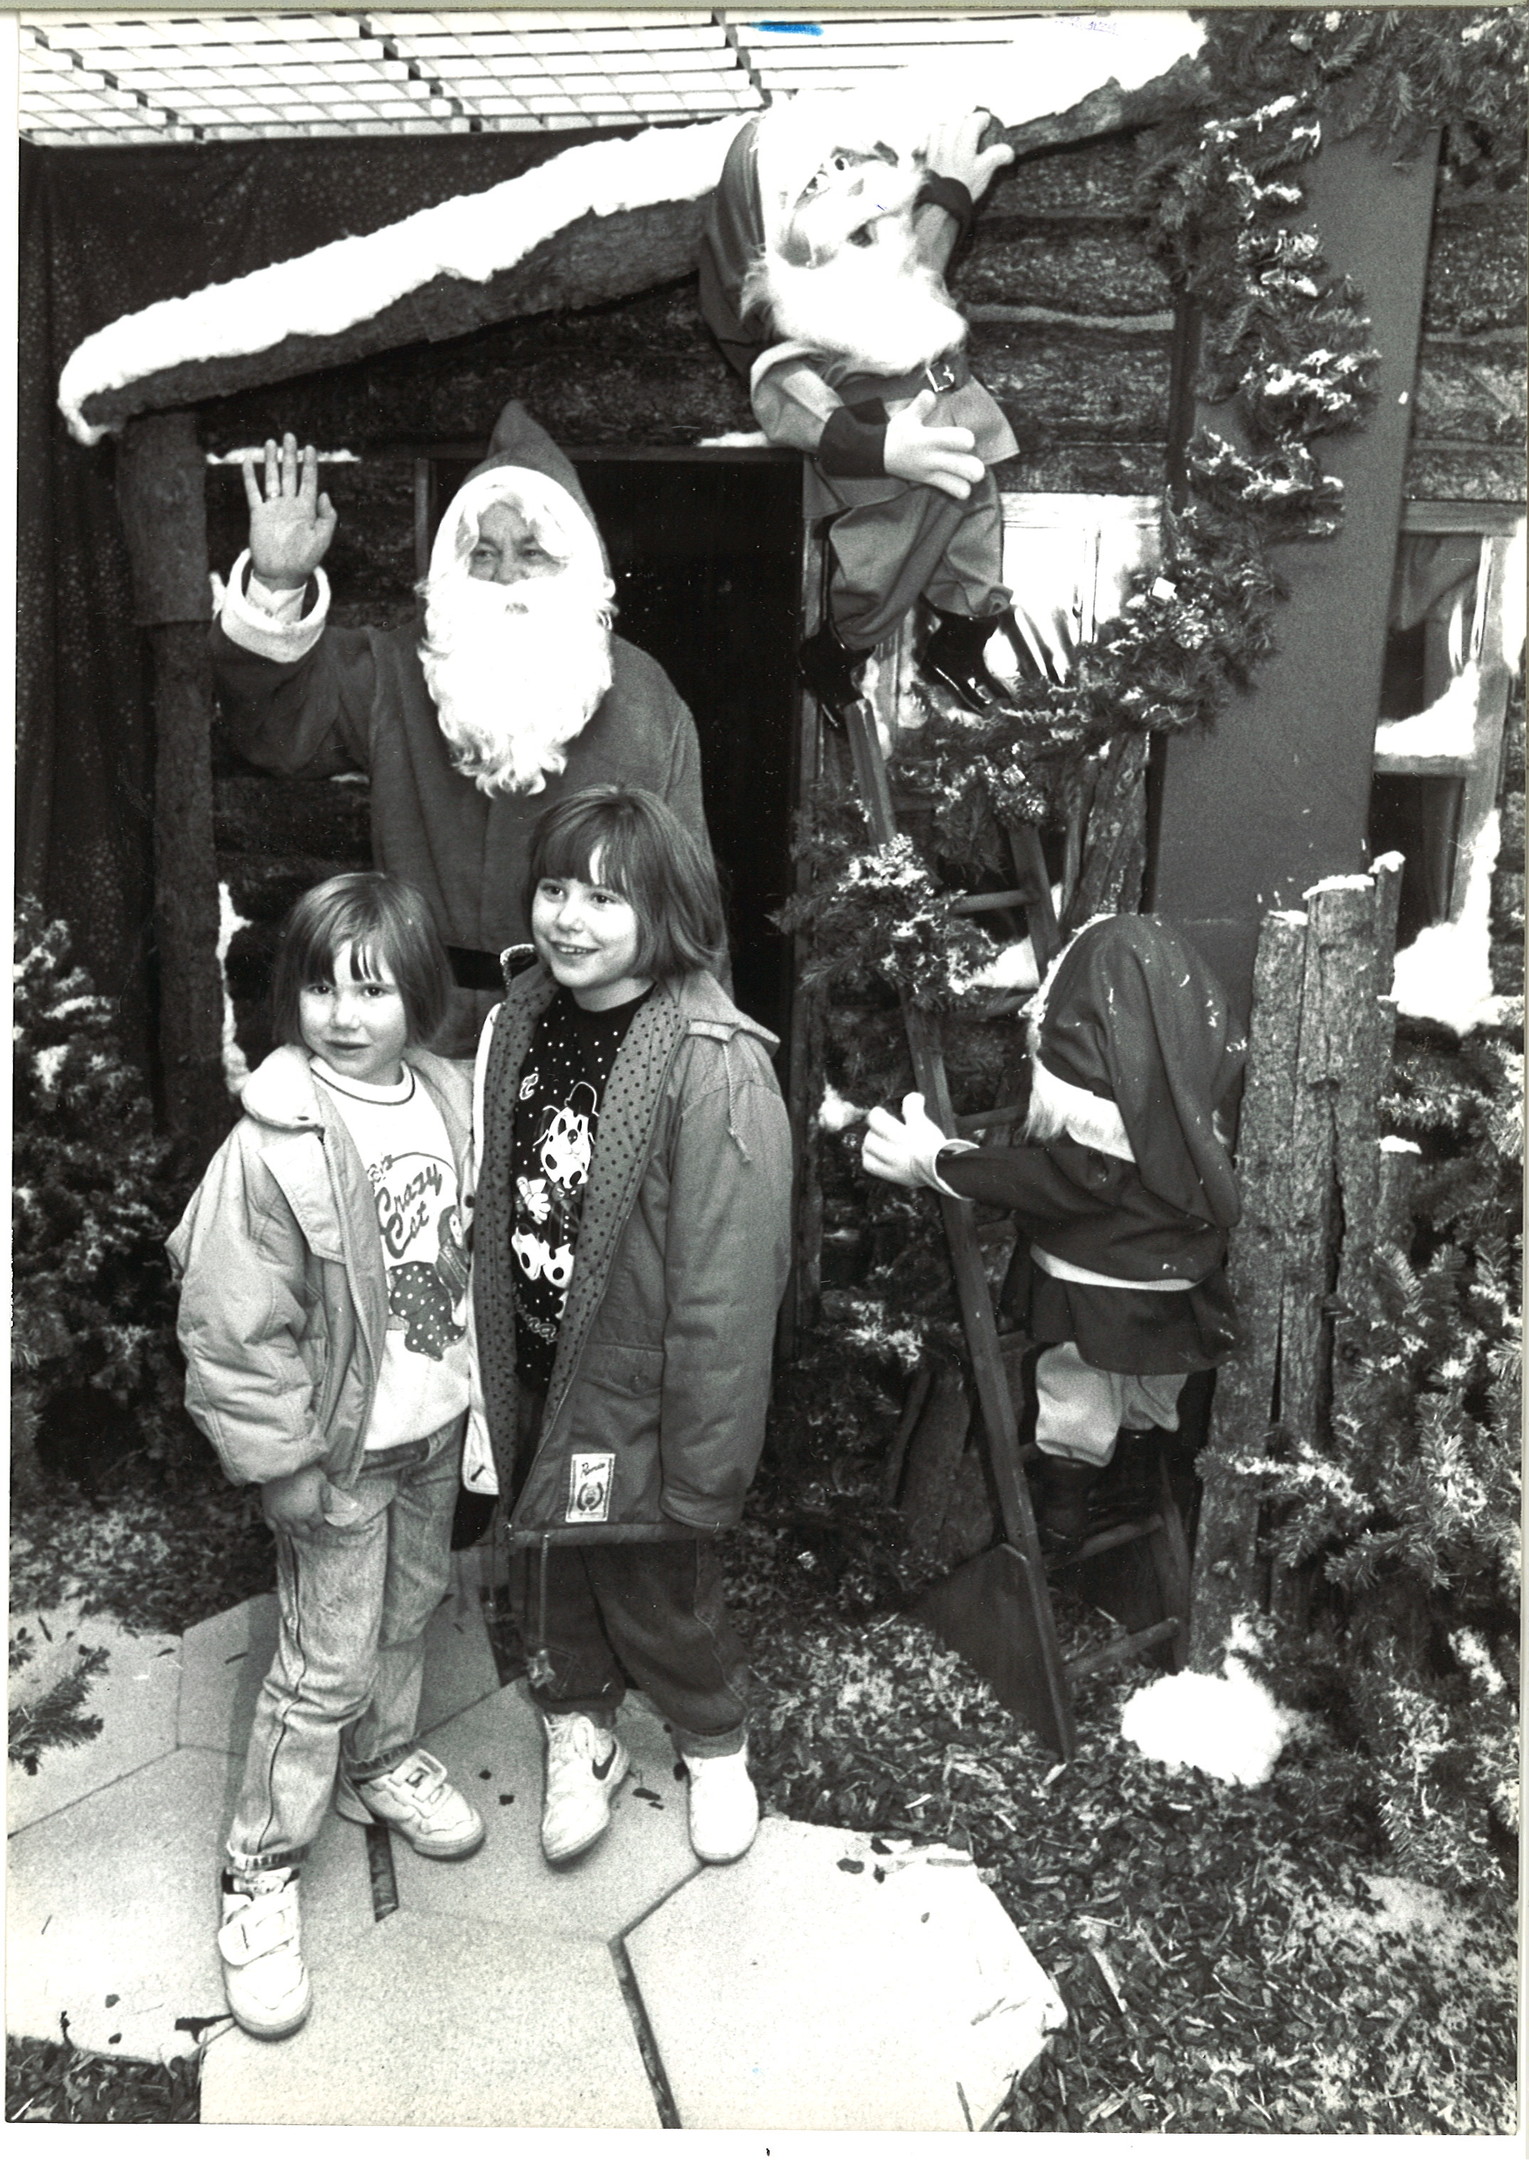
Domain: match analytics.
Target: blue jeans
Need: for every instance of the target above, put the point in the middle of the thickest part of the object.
(354, 1600)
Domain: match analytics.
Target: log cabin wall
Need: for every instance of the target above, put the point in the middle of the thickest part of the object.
(1071, 329)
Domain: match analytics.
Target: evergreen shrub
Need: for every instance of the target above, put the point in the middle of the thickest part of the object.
(96, 1376)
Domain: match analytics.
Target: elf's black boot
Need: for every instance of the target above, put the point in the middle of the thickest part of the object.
(831, 671)
(1066, 1489)
(953, 659)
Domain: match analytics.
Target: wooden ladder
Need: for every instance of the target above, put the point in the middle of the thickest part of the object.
(996, 1609)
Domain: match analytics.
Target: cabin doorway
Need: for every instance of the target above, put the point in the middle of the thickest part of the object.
(706, 551)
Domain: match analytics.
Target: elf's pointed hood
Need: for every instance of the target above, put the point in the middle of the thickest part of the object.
(1131, 1012)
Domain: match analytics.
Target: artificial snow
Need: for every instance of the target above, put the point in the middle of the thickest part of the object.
(1228, 1726)
(1012, 967)
(326, 291)
(255, 455)
(1446, 728)
(835, 1113)
(230, 922)
(1051, 64)
(1445, 974)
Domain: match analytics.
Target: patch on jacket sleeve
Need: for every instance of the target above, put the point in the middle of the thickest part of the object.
(589, 1488)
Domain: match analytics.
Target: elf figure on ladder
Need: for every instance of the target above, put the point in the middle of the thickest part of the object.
(822, 279)
(1123, 1190)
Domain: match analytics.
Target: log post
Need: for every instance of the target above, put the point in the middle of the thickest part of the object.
(161, 497)
(1319, 1196)
(1227, 1563)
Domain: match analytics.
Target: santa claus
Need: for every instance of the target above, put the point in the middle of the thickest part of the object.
(509, 690)
(822, 267)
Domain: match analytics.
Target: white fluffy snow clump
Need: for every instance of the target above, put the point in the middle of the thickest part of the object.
(835, 1112)
(1228, 1726)
(1445, 974)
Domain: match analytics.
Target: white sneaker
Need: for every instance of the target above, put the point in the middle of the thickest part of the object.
(585, 1766)
(724, 1807)
(419, 1801)
(260, 1943)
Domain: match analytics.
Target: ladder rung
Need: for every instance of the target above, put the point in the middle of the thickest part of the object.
(979, 903)
(1005, 1114)
(1118, 1534)
(1127, 1646)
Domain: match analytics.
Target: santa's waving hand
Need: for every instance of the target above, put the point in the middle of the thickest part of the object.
(291, 524)
(822, 267)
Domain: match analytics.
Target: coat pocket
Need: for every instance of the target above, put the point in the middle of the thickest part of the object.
(617, 1404)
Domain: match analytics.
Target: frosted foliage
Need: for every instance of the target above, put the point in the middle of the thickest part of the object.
(1230, 1727)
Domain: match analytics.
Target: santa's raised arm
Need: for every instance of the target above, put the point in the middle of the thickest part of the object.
(509, 689)
(822, 265)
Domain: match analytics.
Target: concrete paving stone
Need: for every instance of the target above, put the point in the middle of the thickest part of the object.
(226, 1659)
(442, 2021)
(113, 1908)
(642, 1857)
(134, 1695)
(821, 1984)
(223, 1661)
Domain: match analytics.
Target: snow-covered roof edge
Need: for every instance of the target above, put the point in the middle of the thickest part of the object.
(1056, 63)
(347, 281)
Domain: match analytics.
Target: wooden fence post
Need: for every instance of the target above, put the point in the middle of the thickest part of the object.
(162, 499)
(1319, 1195)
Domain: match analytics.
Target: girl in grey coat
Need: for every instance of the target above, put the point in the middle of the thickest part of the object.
(630, 1253)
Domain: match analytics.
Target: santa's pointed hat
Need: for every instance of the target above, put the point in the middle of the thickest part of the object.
(1131, 1013)
(524, 466)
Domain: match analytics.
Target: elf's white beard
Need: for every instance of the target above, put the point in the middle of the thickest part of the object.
(516, 671)
(879, 306)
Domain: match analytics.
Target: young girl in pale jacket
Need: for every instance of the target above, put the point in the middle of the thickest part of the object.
(323, 1318)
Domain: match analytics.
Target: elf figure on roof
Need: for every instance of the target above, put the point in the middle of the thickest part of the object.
(822, 267)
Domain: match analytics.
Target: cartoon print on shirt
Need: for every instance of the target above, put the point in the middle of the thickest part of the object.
(563, 1148)
(427, 1287)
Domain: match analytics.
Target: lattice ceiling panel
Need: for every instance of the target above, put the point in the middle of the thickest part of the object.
(89, 79)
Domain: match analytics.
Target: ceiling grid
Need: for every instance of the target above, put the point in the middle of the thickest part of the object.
(90, 79)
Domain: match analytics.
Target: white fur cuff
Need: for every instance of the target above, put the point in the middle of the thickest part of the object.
(257, 629)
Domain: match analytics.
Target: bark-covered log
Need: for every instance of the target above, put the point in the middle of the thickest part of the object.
(160, 493)
(1229, 1575)
(592, 259)
(1114, 851)
(1334, 1025)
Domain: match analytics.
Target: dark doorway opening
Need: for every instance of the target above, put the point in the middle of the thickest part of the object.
(706, 554)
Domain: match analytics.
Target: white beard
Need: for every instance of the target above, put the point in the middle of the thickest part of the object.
(516, 671)
(878, 306)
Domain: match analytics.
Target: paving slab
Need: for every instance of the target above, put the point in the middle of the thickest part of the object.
(494, 1753)
(225, 1660)
(822, 1984)
(445, 2022)
(113, 1908)
(134, 1695)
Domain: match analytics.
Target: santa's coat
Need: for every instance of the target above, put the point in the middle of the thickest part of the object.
(358, 700)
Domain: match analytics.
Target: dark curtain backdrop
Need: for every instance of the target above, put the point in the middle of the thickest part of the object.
(104, 232)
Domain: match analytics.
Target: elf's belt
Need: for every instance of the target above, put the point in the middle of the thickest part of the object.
(950, 371)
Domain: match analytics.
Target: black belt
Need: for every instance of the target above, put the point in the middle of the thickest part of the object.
(487, 970)
(950, 371)
(475, 970)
